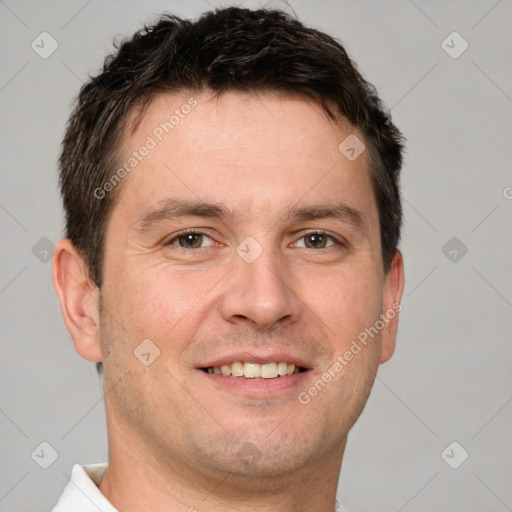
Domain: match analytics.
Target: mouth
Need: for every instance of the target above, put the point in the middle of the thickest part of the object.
(276, 374)
(254, 370)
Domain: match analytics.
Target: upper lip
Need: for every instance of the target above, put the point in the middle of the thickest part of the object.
(256, 357)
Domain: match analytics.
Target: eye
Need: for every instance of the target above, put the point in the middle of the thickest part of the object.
(319, 240)
(195, 239)
(190, 240)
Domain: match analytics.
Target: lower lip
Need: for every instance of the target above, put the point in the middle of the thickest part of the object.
(257, 388)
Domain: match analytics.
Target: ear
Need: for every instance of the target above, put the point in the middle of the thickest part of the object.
(393, 289)
(78, 298)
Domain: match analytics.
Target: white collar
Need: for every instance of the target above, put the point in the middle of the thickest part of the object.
(82, 494)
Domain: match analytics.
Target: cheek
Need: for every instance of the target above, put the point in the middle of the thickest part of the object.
(347, 302)
(153, 301)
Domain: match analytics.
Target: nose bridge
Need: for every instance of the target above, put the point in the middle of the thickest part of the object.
(260, 290)
(266, 275)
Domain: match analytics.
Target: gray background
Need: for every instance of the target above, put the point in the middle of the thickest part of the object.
(450, 378)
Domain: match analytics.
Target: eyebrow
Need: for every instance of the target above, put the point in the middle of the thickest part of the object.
(174, 208)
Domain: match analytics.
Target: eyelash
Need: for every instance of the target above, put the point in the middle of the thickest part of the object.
(309, 233)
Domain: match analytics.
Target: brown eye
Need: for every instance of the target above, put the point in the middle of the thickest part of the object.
(315, 241)
(190, 240)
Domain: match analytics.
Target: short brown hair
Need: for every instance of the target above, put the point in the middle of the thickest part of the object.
(231, 49)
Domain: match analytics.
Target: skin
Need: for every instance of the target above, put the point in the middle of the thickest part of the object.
(177, 441)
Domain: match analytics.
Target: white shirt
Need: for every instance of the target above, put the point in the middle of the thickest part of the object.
(81, 494)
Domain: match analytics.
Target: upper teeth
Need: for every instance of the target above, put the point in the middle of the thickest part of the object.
(255, 370)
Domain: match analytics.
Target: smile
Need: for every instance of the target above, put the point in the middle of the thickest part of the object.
(250, 370)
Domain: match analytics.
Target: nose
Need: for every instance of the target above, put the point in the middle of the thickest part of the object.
(261, 293)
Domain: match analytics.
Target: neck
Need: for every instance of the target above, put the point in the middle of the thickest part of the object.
(139, 478)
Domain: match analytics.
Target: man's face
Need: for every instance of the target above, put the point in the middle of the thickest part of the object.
(256, 286)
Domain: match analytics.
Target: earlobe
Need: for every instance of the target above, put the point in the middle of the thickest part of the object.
(78, 298)
(393, 289)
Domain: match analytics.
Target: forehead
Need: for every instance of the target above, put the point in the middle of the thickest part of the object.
(252, 152)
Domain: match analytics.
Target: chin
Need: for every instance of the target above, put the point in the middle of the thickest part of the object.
(262, 459)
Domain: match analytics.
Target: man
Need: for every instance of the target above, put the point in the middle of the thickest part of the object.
(231, 262)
